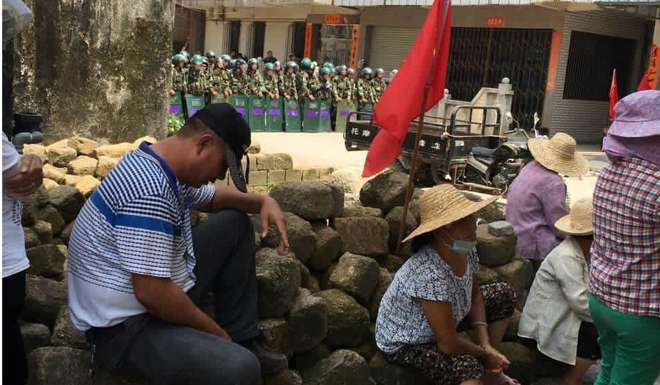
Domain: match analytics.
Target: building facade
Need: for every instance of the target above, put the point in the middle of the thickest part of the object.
(559, 55)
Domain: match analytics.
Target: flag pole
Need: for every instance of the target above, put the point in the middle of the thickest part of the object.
(413, 168)
(420, 127)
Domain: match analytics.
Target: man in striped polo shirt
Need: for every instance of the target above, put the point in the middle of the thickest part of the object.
(136, 268)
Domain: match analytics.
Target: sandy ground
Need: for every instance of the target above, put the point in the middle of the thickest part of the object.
(310, 150)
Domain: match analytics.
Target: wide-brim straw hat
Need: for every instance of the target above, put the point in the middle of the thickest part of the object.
(558, 154)
(579, 221)
(443, 205)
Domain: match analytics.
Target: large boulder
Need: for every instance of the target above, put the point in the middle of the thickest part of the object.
(329, 246)
(393, 219)
(519, 273)
(386, 373)
(308, 321)
(65, 334)
(285, 377)
(105, 165)
(343, 367)
(356, 275)
(348, 321)
(364, 235)
(384, 281)
(275, 332)
(361, 211)
(87, 184)
(522, 360)
(49, 184)
(492, 213)
(68, 200)
(114, 150)
(307, 359)
(31, 237)
(47, 261)
(302, 239)
(278, 279)
(391, 262)
(83, 165)
(495, 250)
(43, 299)
(486, 274)
(36, 149)
(59, 365)
(83, 145)
(309, 200)
(34, 336)
(51, 215)
(385, 191)
(54, 173)
(44, 231)
(59, 154)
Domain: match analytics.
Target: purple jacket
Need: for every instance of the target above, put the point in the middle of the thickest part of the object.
(536, 200)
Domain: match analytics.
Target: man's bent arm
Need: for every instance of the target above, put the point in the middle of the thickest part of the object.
(166, 301)
(230, 198)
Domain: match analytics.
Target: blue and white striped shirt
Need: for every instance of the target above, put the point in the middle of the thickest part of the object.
(137, 222)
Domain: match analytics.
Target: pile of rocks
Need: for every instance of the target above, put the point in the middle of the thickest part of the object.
(317, 305)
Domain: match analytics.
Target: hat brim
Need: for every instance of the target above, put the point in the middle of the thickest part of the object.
(579, 166)
(449, 218)
(235, 169)
(565, 226)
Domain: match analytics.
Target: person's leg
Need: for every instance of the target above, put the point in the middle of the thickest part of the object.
(225, 249)
(500, 301)
(574, 375)
(177, 355)
(588, 352)
(14, 363)
(637, 348)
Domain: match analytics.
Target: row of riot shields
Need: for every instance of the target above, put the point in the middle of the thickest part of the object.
(275, 115)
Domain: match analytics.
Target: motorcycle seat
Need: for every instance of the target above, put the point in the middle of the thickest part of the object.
(483, 152)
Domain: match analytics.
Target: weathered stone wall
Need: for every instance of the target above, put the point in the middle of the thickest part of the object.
(96, 68)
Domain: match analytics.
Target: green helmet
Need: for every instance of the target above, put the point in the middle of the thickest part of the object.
(306, 64)
(325, 71)
(366, 72)
(197, 59)
(314, 65)
(269, 66)
(340, 68)
(239, 63)
(205, 60)
(253, 61)
(178, 58)
(351, 71)
(185, 53)
(277, 66)
(226, 58)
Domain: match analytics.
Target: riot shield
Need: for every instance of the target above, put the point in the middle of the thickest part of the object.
(292, 122)
(274, 116)
(240, 103)
(311, 115)
(344, 108)
(325, 119)
(257, 113)
(195, 103)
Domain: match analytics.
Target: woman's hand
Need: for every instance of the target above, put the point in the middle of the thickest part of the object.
(495, 361)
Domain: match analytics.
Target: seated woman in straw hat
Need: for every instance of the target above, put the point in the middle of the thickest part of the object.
(556, 314)
(537, 197)
(435, 295)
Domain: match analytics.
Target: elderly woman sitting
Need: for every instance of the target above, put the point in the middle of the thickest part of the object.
(435, 295)
(556, 314)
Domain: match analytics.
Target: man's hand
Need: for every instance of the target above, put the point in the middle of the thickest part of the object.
(29, 178)
(272, 213)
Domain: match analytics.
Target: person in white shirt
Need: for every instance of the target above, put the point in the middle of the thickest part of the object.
(556, 315)
(21, 176)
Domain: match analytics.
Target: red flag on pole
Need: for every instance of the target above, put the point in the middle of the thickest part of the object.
(425, 65)
(614, 95)
(650, 77)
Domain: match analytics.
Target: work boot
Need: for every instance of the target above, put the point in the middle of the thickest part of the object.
(271, 362)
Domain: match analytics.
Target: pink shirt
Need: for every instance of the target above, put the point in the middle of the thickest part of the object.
(536, 200)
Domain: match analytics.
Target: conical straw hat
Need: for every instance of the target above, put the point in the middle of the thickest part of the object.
(579, 220)
(442, 205)
(558, 154)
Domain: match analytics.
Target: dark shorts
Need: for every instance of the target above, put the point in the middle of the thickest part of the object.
(587, 344)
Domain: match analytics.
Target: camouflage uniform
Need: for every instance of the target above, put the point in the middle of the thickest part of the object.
(324, 89)
(342, 88)
(365, 92)
(219, 80)
(378, 86)
(255, 84)
(302, 80)
(238, 83)
(179, 79)
(271, 85)
(198, 82)
(288, 86)
(313, 85)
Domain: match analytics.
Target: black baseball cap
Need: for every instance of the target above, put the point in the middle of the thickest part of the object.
(229, 125)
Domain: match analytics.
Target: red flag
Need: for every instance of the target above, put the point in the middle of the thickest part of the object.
(614, 95)
(650, 77)
(426, 64)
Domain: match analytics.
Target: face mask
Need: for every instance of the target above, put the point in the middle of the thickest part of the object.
(463, 247)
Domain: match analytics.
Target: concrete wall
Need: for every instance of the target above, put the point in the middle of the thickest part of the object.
(277, 40)
(215, 38)
(97, 68)
(585, 119)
